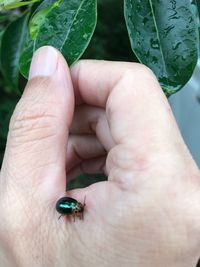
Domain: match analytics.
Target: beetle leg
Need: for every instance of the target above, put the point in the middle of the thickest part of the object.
(74, 216)
(60, 217)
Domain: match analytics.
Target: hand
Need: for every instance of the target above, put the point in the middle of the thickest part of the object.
(146, 214)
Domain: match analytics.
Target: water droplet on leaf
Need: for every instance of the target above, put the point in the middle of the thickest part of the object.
(154, 44)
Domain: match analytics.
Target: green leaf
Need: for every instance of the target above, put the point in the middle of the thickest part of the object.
(3, 18)
(164, 36)
(10, 4)
(66, 25)
(11, 46)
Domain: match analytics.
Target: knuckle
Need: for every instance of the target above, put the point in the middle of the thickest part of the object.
(32, 123)
(145, 70)
(128, 160)
(140, 70)
(141, 77)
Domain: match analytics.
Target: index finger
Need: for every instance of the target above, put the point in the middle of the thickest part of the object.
(137, 109)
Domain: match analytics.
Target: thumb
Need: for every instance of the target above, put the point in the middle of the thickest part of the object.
(37, 139)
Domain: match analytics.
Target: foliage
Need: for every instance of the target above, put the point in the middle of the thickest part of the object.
(13, 41)
(165, 39)
(66, 25)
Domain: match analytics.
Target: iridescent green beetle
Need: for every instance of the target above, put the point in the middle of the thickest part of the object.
(70, 206)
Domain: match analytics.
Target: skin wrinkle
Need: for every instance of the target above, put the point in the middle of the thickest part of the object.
(93, 122)
(79, 70)
(78, 144)
(100, 163)
(37, 232)
(128, 160)
(25, 123)
(24, 164)
(85, 168)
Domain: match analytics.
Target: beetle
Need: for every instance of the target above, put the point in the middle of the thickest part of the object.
(70, 206)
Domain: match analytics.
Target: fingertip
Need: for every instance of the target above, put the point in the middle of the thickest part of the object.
(44, 62)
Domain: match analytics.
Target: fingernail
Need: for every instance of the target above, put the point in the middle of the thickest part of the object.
(44, 62)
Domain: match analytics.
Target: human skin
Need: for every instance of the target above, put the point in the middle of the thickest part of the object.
(97, 117)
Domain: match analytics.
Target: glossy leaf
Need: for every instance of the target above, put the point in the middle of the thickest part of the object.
(10, 4)
(11, 46)
(66, 25)
(164, 36)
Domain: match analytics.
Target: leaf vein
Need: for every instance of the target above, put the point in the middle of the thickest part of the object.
(67, 35)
